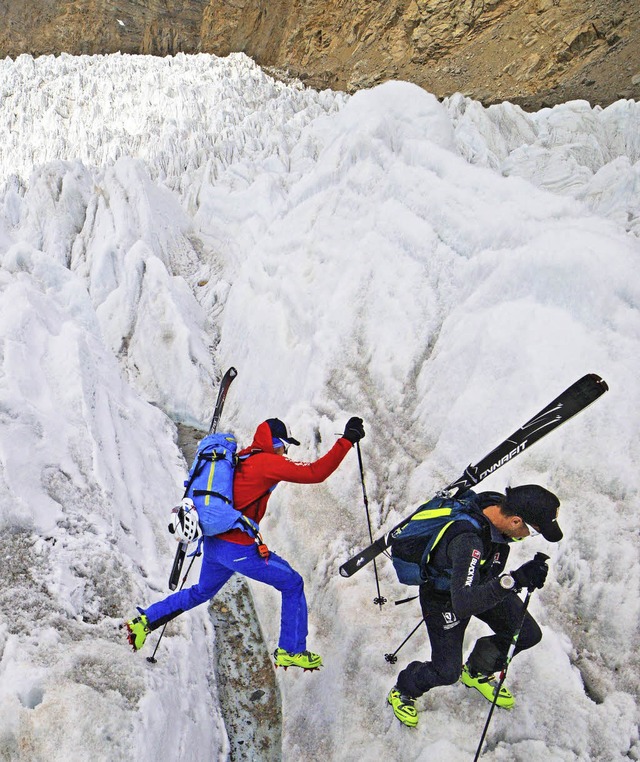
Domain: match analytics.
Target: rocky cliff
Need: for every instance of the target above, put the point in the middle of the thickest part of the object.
(531, 52)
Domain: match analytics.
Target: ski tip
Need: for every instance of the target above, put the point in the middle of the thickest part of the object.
(595, 379)
(601, 382)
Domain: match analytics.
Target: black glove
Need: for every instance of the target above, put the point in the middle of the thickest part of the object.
(532, 574)
(354, 430)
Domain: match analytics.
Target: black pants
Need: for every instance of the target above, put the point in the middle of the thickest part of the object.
(446, 634)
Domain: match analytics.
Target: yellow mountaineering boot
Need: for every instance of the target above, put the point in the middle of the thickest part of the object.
(403, 708)
(487, 685)
(137, 631)
(306, 659)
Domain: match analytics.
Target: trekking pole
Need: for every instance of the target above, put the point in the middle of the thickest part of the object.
(392, 658)
(152, 659)
(379, 600)
(510, 652)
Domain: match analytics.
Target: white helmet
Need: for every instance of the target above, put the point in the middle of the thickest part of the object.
(184, 524)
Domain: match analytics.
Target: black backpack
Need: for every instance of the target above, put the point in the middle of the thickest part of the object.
(413, 544)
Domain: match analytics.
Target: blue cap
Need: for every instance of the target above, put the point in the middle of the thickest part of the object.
(280, 431)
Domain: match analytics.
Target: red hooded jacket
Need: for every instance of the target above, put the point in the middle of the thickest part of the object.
(258, 474)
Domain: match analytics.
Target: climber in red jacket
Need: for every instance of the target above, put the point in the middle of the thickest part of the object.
(260, 468)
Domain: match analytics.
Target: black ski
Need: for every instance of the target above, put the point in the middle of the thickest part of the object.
(181, 550)
(574, 399)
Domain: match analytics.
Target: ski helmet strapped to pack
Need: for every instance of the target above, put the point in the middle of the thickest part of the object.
(184, 525)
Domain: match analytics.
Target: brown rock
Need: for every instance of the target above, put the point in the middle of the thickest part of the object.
(528, 51)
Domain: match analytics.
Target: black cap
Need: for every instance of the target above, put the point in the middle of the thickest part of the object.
(485, 499)
(536, 506)
(279, 431)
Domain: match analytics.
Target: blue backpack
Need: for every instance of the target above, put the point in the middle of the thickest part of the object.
(413, 543)
(210, 484)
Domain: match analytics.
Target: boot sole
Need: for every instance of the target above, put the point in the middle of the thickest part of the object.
(131, 638)
(298, 666)
(490, 699)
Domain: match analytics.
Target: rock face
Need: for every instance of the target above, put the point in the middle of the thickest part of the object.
(247, 688)
(91, 27)
(531, 52)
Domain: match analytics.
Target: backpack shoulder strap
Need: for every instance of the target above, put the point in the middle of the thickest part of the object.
(457, 514)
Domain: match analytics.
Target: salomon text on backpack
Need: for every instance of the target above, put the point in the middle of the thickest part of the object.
(413, 543)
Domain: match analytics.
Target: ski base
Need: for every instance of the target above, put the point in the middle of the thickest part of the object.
(178, 561)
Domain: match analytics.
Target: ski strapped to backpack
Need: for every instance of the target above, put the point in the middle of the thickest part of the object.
(413, 543)
(574, 399)
(210, 483)
(181, 550)
(208, 502)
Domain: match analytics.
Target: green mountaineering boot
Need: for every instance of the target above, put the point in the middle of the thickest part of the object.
(306, 659)
(403, 708)
(137, 631)
(487, 685)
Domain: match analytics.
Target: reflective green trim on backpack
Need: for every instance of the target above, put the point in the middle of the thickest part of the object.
(431, 513)
(437, 539)
(212, 471)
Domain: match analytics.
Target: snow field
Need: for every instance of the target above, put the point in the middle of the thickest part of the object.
(440, 269)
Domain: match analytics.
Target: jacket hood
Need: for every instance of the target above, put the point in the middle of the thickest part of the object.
(262, 440)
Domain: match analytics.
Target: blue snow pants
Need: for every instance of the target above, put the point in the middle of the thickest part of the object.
(220, 560)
